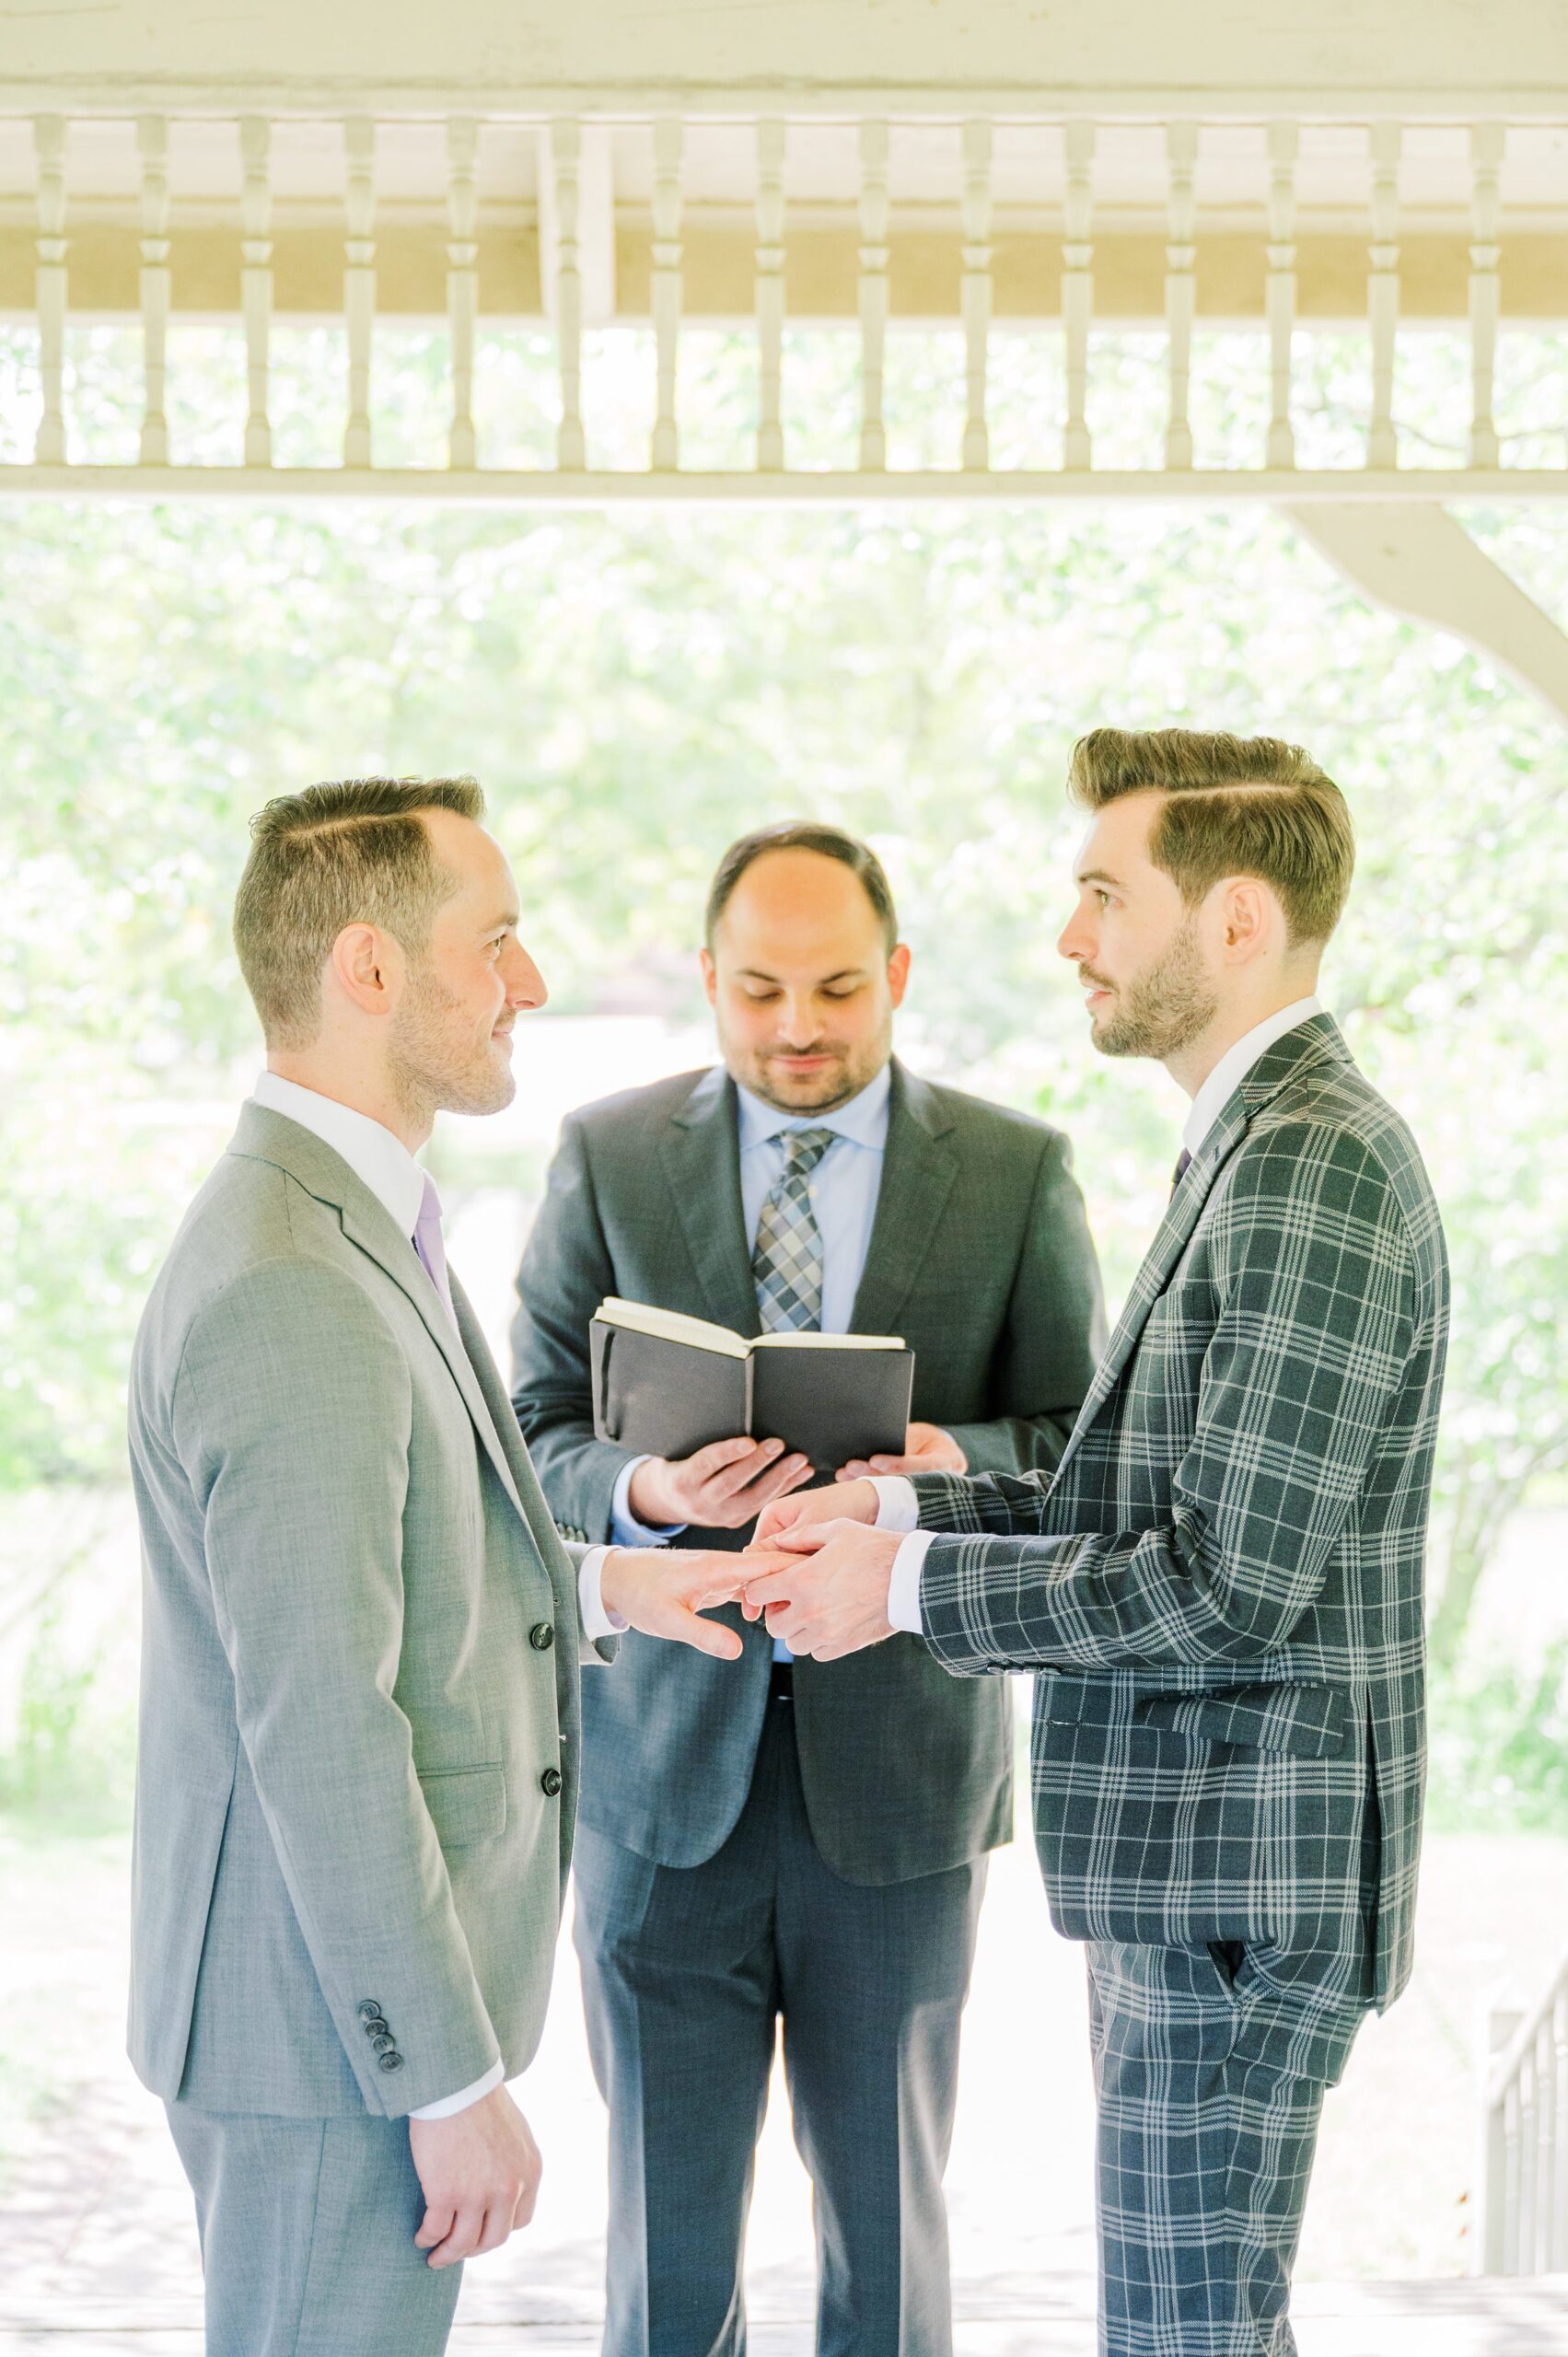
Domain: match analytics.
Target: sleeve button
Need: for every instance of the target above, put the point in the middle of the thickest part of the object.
(392, 2060)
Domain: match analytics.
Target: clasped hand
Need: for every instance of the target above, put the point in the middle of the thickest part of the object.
(827, 1596)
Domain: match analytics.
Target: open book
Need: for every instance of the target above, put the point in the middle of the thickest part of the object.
(666, 1384)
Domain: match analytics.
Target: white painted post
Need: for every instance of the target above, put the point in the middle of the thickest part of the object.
(1487, 142)
(975, 293)
(462, 282)
(359, 283)
(1557, 2253)
(1181, 286)
(49, 147)
(1077, 288)
(875, 141)
(566, 164)
(1501, 2014)
(152, 146)
(668, 148)
(256, 282)
(771, 138)
(1284, 142)
(1383, 291)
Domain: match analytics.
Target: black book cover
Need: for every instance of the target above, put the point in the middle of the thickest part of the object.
(831, 1405)
(663, 1398)
(665, 1395)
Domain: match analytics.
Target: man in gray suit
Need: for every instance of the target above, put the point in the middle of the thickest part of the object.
(359, 1722)
(789, 1840)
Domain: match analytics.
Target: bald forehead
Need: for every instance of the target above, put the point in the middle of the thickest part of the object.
(801, 890)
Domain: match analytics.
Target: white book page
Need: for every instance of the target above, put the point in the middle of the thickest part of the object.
(672, 1326)
(829, 1342)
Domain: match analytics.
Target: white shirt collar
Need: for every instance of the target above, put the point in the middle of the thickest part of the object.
(863, 1119)
(368, 1147)
(1235, 1064)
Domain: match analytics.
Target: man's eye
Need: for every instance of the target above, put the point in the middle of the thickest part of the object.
(761, 998)
(838, 995)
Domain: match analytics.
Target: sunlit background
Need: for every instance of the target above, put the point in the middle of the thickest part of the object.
(634, 690)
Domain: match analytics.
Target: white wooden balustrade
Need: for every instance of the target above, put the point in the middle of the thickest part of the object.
(982, 224)
(1523, 2228)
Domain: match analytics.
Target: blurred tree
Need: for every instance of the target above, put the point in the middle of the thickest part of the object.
(634, 690)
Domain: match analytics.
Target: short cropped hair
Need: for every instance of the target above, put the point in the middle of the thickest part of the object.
(1238, 806)
(352, 853)
(803, 834)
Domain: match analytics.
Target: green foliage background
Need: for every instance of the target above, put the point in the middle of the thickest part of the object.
(635, 688)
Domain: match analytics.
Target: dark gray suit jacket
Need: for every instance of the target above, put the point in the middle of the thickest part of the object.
(981, 1256)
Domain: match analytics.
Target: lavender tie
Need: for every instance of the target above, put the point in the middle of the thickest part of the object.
(427, 1243)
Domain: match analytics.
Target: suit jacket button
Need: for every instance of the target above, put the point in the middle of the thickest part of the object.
(541, 1636)
(370, 2007)
(385, 2043)
(392, 2060)
(550, 1782)
(376, 2026)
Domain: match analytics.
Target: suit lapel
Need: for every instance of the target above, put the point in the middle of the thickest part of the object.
(700, 1156)
(1317, 1041)
(273, 1137)
(918, 1171)
(524, 1480)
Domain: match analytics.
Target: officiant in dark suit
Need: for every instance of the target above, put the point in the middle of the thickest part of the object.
(767, 1838)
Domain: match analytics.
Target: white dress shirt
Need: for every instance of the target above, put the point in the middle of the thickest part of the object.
(843, 1188)
(396, 1180)
(896, 1505)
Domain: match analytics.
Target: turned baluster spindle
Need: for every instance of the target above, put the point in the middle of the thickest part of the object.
(669, 150)
(1284, 144)
(1181, 286)
(1383, 290)
(566, 181)
(256, 282)
(152, 147)
(49, 148)
(1487, 143)
(769, 267)
(462, 282)
(359, 283)
(1077, 288)
(875, 143)
(975, 292)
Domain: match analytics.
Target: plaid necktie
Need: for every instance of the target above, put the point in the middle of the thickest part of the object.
(786, 1265)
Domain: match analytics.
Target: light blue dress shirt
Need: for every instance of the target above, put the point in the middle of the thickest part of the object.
(843, 1189)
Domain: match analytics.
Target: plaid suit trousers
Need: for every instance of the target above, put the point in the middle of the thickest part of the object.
(1210, 2083)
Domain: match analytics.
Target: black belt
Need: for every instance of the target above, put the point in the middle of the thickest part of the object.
(781, 1682)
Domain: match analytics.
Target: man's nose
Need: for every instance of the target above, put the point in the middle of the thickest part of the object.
(524, 984)
(1074, 940)
(802, 1019)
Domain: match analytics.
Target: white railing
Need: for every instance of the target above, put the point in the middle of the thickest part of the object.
(1081, 225)
(1523, 2227)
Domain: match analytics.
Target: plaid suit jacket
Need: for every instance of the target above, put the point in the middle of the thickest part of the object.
(1222, 1581)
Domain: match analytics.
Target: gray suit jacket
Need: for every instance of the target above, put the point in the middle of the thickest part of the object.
(359, 1724)
(981, 1256)
(1223, 1579)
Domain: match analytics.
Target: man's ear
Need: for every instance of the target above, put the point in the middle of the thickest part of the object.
(1253, 920)
(710, 977)
(368, 968)
(899, 973)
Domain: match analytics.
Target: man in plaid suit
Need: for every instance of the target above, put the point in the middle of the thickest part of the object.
(1221, 1584)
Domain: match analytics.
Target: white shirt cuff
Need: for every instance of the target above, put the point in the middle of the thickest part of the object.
(896, 1506)
(597, 1618)
(624, 1528)
(449, 2105)
(903, 1583)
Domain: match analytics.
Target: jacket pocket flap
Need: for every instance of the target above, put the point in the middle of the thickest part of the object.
(465, 1803)
(1306, 1720)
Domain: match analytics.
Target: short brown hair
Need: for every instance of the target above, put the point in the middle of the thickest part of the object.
(1238, 806)
(804, 835)
(352, 853)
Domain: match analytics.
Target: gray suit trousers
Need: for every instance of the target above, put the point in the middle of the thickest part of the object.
(685, 1971)
(307, 2229)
